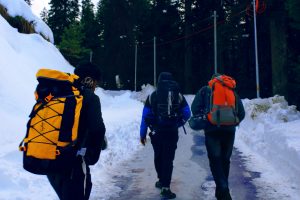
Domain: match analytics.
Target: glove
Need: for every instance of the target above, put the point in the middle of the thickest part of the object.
(143, 141)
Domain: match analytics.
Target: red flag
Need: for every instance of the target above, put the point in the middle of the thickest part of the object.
(260, 6)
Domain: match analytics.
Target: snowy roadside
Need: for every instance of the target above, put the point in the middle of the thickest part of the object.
(269, 139)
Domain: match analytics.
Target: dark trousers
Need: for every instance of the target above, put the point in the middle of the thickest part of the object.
(164, 146)
(70, 185)
(219, 145)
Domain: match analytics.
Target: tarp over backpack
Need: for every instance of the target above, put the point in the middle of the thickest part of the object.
(223, 103)
(52, 129)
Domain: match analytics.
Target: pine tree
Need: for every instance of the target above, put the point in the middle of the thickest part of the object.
(167, 27)
(88, 22)
(70, 45)
(188, 72)
(293, 38)
(28, 2)
(44, 15)
(120, 24)
(61, 15)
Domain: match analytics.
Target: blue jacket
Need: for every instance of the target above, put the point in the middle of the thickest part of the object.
(148, 115)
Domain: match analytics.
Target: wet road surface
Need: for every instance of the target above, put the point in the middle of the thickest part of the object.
(191, 179)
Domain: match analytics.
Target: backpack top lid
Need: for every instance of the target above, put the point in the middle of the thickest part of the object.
(165, 84)
(224, 80)
(165, 76)
(55, 75)
(167, 101)
(54, 83)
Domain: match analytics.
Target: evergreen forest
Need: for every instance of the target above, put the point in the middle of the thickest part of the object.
(135, 40)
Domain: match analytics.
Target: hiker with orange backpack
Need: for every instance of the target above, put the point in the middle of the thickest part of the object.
(224, 110)
(65, 132)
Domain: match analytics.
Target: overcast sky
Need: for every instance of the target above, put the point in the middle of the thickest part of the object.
(38, 5)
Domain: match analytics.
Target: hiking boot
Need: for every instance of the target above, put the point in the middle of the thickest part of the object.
(158, 185)
(223, 194)
(166, 193)
(227, 196)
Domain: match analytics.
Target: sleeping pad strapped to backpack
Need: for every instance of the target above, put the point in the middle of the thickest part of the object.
(53, 125)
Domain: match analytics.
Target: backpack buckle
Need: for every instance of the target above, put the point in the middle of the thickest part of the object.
(49, 97)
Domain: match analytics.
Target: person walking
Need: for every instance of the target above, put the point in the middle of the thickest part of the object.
(165, 110)
(75, 183)
(224, 111)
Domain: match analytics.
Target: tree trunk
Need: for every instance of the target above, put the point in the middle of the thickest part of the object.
(188, 74)
(278, 48)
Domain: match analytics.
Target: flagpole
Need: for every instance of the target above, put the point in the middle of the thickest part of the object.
(256, 51)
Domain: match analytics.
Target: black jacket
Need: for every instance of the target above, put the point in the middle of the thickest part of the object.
(91, 124)
(201, 105)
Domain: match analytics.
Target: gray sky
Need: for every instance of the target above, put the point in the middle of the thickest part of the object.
(38, 5)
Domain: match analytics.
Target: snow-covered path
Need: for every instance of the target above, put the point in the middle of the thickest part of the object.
(139, 176)
(191, 176)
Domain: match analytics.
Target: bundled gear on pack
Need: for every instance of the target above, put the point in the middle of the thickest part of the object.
(165, 103)
(223, 104)
(198, 122)
(52, 130)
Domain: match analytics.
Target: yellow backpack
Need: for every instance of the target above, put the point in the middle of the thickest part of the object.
(52, 129)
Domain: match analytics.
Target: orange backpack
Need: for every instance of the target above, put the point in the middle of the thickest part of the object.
(223, 105)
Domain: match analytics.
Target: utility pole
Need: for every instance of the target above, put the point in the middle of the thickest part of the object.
(256, 51)
(215, 41)
(135, 65)
(154, 60)
(91, 56)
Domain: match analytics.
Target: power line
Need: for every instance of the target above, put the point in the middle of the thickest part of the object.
(195, 33)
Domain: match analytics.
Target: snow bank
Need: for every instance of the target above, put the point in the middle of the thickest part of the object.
(21, 56)
(269, 138)
(21, 8)
(122, 116)
(143, 94)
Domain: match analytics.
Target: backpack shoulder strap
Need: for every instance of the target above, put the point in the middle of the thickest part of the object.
(151, 96)
(236, 100)
(211, 96)
(206, 94)
(180, 98)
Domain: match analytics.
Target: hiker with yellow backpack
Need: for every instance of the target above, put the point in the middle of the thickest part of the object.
(222, 110)
(65, 132)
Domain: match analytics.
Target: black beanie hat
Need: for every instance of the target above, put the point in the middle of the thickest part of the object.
(165, 76)
(88, 70)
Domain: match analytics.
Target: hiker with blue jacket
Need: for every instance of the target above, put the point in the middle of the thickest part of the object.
(165, 110)
(224, 110)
